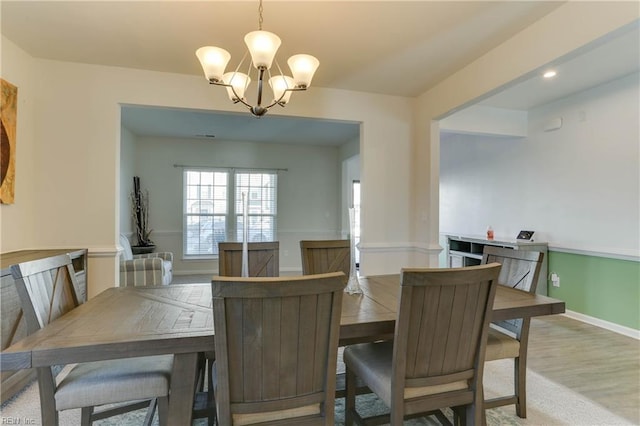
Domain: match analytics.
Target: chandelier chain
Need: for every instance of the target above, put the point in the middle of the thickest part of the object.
(260, 16)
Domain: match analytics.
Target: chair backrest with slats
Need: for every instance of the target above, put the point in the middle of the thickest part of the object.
(441, 330)
(520, 269)
(322, 256)
(276, 345)
(263, 258)
(47, 289)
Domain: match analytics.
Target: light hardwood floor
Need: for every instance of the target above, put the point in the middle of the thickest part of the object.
(601, 365)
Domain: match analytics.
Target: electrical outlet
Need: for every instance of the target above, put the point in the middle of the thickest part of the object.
(555, 279)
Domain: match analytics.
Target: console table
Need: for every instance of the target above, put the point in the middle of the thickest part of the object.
(466, 250)
(13, 325)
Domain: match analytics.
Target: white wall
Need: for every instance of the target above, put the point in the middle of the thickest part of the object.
(350, 157)
(127, 172)
(308, 192)
(18, 220)
(577, 187)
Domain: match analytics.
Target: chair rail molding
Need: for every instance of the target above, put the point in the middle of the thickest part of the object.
(608, 252)
(430, 248)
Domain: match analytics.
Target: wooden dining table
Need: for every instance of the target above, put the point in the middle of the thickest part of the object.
(125, 322)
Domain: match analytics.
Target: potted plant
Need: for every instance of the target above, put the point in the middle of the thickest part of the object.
(140, 215)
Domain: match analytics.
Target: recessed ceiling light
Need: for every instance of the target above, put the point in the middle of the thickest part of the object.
(549, 74)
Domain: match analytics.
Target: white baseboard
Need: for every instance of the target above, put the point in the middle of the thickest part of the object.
(620, 329)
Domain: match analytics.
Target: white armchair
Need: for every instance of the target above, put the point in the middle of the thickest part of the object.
(144, 269)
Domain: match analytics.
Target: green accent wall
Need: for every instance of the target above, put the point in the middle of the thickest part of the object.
(604, 288)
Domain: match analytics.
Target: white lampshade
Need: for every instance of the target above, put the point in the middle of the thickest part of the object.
(279, 84)
(213, 60)
(263, 46)
(303, 67)
(239, 81)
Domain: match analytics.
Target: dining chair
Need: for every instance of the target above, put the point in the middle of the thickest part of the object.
(436, 359)
(321, 256)
(46, 289)
(264, 261)
(509, 339)
(263, 257)
(276, 345)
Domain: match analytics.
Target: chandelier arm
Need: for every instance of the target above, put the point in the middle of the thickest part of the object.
(237, 99)
(258, 107)
(293, 89)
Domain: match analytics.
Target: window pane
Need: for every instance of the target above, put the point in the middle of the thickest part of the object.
(206, 178)
(220, 206)
(204, 233)
(205, 211)
(193, 178)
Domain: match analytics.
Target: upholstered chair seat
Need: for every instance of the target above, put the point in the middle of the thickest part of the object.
(114, 381)
(500, 346)
(373, 364)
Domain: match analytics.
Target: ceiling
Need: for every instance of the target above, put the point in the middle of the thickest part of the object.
(241, 126)
(361, 45)
(612, 57)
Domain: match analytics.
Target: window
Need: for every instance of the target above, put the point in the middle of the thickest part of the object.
(213, 209)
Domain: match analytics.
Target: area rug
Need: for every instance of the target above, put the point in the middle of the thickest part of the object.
(548, 404)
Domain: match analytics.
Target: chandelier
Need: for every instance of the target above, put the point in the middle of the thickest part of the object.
(262, 46)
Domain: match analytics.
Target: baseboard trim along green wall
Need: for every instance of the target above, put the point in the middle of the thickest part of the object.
(616, 328)
(603, 288)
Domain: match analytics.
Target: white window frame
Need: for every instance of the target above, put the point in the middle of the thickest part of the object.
(261, 187)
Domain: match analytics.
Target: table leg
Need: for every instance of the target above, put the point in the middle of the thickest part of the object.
(183, 382)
